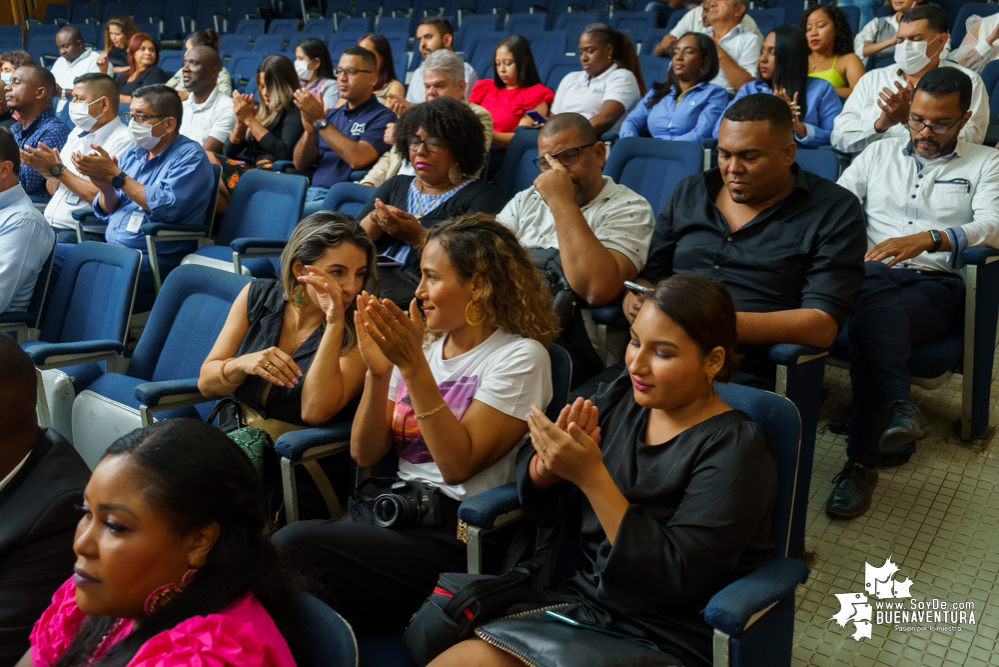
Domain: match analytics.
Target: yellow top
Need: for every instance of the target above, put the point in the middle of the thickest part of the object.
(831, 75)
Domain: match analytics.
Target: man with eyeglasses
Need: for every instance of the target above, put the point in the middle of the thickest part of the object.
(879, 104)
(347, 138)
(928, 196)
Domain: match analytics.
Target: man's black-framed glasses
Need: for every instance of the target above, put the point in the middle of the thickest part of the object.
(567, 157)
(350, 71)
(935, 128)
(432, 144)
(141, 118)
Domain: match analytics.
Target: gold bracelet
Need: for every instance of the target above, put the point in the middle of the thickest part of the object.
(222, 374)
(427, 414)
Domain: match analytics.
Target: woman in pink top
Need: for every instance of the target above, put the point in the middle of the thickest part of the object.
(171, 566)
(514, 89)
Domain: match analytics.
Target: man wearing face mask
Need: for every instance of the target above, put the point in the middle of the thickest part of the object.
(208, 115)
(928, 196)
(879, 104)
(94, 112)
(164, 177)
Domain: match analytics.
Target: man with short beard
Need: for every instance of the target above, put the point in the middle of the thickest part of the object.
(928, 196)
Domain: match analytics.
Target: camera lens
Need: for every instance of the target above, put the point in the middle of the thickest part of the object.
(386, 510)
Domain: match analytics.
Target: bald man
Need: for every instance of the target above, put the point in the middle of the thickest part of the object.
(75, 58)
(29, 93)
(208, 114)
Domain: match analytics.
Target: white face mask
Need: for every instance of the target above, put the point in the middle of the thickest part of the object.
(79, 113)
(142, 134)
(911, 56)
(302, 67)
(5, 77)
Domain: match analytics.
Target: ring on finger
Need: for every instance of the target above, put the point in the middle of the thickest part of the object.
(268, 366)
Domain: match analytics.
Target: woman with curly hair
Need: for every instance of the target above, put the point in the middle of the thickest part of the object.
(831, 40)
(118, 32)
(443, 141)
(453, 406)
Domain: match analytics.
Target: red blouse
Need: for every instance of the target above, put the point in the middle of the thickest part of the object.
(508, 105)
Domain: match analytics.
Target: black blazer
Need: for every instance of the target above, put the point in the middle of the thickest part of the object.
(37, 525)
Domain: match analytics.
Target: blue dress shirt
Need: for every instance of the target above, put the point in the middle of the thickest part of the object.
(823, 107)
(47, 129)
(178, 184)
(25, 243)
(691, 119)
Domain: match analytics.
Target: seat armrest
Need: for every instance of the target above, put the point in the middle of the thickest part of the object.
(155, 229)
(482, 509)
(248, 244)
(153, 394)
(734, 607)
(789, 354)
(84, 214)
(609, 136)
(281, 165)
(978, 255)
(294, 444)
(41, 353)
(17, 317)
(710, 143)
(609, 315)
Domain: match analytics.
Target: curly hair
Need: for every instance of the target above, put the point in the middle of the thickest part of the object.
(453, 123)
(125, 24)
(843, 44)
(514, 296)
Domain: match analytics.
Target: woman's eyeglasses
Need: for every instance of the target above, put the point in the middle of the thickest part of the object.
(432, 144)
(567, 157)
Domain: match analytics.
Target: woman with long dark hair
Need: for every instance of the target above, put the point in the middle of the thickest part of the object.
(830, 39)
(783, 72)
(143, 54)
(387, 85)
(171, 565)
(610, 83)
(514, 90)
(315, 70)
(661, 115)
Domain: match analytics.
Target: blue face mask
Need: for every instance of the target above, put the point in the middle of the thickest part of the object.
(5, 77)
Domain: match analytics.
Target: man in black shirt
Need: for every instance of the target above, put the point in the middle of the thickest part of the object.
(788, 245)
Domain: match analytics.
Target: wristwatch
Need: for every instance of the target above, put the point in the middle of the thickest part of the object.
(320, 124)
(57, 169)
(119, 180)
(937, 240)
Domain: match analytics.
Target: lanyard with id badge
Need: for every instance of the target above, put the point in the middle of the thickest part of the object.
(135, 221)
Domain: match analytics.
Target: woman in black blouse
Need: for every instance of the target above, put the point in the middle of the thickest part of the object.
(674, 490)
(443, 141)
(288, 350)
(143, 54)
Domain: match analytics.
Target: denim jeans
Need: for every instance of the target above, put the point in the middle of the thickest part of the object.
(314, 197)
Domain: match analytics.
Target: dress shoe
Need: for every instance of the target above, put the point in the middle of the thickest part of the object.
(852, 494)
(897, 457)
(905, 424)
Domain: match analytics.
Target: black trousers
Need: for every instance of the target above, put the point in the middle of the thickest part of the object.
(896, 310)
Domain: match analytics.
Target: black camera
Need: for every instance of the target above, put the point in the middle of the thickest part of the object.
(409, 505)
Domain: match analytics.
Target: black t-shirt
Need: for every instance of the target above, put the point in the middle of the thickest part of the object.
(147, 78)
(118, 57)
(699, 519)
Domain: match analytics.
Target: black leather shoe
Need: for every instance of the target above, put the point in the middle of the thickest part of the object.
(897, 457)
(852, 494)
(905, 424)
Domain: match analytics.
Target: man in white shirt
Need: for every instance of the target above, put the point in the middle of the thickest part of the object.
(75, 58)
(696, 20)
(738, 51)
(879, 104)
(602, 229)
(928, 196)
(94, 112)
(432, 33)
(208, 115)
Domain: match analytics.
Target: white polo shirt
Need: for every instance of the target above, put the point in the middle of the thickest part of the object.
(691, 22)
(65, 72)
(744, 48)
(620, 218)
(579, 93)
(417, 94)
(213, 118)
(113, 138)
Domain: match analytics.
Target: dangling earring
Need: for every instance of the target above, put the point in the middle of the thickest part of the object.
(454, 174)
(475, 314)
(299, 298)
(610, 58)
(710, 392)
(167, 592)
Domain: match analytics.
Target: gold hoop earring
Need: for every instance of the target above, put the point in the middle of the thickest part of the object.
(454, 174)
(475, 314)
(709, 392)
(299, 297)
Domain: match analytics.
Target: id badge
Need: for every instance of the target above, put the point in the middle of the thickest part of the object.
(72, 200)
(134, 222)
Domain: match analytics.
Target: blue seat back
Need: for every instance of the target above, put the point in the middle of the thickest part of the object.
(326, 639)
(561, 380)
(767, 19)
(652, 168)
(56, 14)
(348, 198)
(397, 9)
(211, 15)
(285, 27)
(147, 11)
(339, 42)
(990, 77)
(638, 23)
(112, 9)
(518, 173)
(90, 33)
(41, 290)
(654, 69)
(546, 45)
(81, 12)
(852, 17)
(474, 25)
(154, 29)
(674, 19)
(555, 69)
(179, 14)
(650, 39)
(171, 61)
(250, 27)
(232, 43)
(362, 23)
(321, 28)
(243, 67)
(393, 24)
(960, 27)
(188, 316)
(573, 24)
(491, 7)
(820, 162)
(518, 24)
(366, 8)
(268, 44)
(40, 46)
(122, 110)
(92, 299)
(482, 48)
(46, 30)
(336, 8)
(265, 204)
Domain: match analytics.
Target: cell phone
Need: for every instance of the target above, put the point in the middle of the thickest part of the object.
(577, 624)
(636, 289)
(537, 117)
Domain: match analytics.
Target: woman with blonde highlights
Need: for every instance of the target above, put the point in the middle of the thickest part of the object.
(453, 405)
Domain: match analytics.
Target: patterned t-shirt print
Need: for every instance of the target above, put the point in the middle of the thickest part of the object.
(409, 444)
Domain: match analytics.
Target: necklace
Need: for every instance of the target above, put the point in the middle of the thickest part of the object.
(433, 202)
(99, 651)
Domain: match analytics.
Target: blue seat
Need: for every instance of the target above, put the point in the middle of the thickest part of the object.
(327, 639)
(153, 29)
(556, 67)
(339, 42)
(990, 77)
(250, 27)
(518, 24)
(337, 9)
(20, 323)
(43, 49)
(821, 162)
(283, 27)
(652, 168)
(546, 45)
(364, 24)
(768, 19)
(211, 15)
(348, 198)
(43, 30)
(852, 17)
(530, 7)
(265, 208)
(55, 14)
(320, 27)
(91, 33)
(112, 9)
(231, 43)
(573, 23)
(162, 377)
(396, 24)
(474, 25)
(85, 324)
(673, 20)
(654, 69)
(268, 44)
(960, 26)
(179, 19)
(638, 23)
(171, 60)
(240, 10)
(148, 11)
(502, 8)
(952, 8)
(481, 56)
(123, 108)
(648, 41)
(243, 67)
(518, 172)
(397, 8)
(84, 13)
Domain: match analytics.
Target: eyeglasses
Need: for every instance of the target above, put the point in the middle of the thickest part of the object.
(350, 71)
(936, 128)
(432, 144)
(141, 118)
(567, 157)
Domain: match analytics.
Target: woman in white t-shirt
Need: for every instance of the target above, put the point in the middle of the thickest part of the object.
(452, 404)
(611, 81)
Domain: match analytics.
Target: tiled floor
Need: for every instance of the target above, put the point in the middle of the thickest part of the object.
(938, 515)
